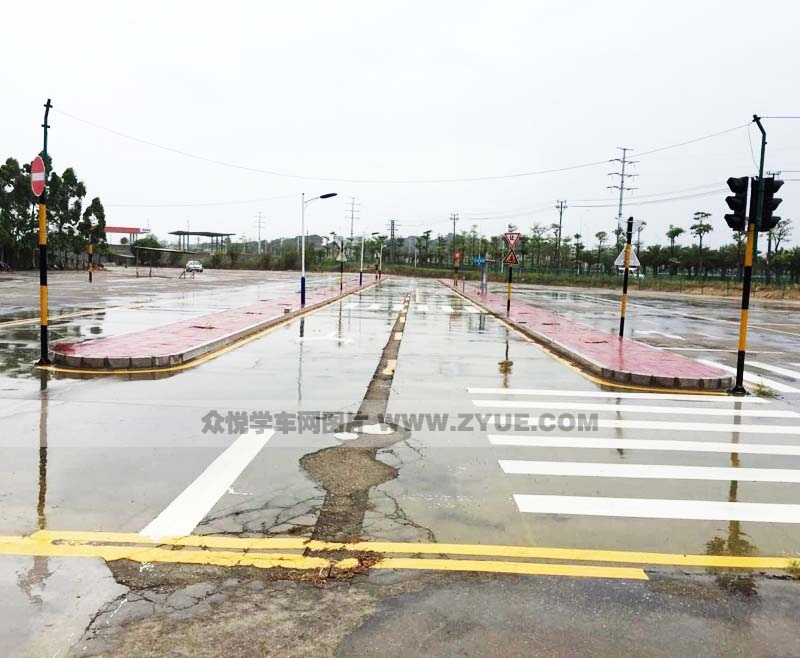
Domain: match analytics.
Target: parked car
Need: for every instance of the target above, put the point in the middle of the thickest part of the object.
(194, 266)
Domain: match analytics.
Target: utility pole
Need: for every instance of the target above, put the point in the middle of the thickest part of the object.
(259, 224)
(624, 162)
(560, 206)
(392, 226)
(454, 219)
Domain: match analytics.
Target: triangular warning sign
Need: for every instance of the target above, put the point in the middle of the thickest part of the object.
(620, 260)
(511, 258)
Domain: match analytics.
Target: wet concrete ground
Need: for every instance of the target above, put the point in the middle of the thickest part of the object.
(118, 454)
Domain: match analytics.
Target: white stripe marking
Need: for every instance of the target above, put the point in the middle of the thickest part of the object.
(608, 423)
(374, 307)
(446, 308)
(648, 471)
(754, 379)
(37, 175)
(472, 309)
(422, 308)
(642, 444)
(350, 307)
(683, 397)
(653, 508)
(397, 307)
(184, 513)
(785, 372)
(635, 408)
(658, 333)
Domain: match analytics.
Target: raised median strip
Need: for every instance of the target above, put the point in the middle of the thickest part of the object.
(604, 355)
(180, 343)
(298, 553)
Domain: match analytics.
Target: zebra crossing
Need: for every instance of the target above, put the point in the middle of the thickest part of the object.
(427, 308)
(759, 380)
(666, 439)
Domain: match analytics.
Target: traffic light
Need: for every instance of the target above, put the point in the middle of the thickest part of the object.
(768, 220)
(737, 220)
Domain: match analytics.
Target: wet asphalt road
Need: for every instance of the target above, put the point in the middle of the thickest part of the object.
(116, 453)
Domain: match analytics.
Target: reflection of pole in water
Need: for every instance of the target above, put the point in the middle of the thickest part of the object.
(505, 365)
(300, 360)
(39, 571)
(735, 543)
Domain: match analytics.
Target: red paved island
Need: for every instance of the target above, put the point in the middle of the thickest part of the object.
(615, 359)
(180, 342)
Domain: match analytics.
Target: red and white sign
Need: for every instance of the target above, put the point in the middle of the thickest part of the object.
(512, 238)
(37, 175)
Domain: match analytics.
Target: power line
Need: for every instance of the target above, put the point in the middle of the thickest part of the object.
(241, 167)
(199, 204)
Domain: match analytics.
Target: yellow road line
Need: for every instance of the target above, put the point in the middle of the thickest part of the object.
(482, 550)
(206, 357)
(38, 548)
(526, 568)
(586, 375)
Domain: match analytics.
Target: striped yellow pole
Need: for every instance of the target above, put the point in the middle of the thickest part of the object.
(624, 305)
(44, 359)
(739, 389)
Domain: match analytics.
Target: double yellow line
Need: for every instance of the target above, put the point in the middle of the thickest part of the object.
(275, 552)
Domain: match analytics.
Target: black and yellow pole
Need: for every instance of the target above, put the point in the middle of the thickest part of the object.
(753, 223)
(738, 388)
(624, 306)
(508, 290)
(44, 358)
(90, 252)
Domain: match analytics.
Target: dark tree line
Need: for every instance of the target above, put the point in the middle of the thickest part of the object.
(71, 222)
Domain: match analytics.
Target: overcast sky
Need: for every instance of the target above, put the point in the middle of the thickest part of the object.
(402, 91)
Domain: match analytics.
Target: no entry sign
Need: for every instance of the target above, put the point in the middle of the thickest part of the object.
(37, 175)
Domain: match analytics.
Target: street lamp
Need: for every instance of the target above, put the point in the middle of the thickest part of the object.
(303, 204)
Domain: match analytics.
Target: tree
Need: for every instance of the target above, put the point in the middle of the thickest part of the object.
(699, 229)
(673, 233)
(601, 236)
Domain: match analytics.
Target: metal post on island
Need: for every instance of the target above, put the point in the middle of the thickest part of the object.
(39, 187)
(627, 264)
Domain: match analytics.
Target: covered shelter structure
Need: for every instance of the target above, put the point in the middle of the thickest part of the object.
(215, 238)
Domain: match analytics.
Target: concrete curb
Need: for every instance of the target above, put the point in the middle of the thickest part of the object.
(103, 363)
(612, 376)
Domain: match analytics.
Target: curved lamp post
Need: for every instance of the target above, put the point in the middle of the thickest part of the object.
(303, 204)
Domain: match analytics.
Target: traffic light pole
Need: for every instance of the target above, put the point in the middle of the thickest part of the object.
(627, 263)
(44, 358)
(749, 251)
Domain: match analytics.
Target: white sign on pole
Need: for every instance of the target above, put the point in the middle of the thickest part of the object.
(620, 260)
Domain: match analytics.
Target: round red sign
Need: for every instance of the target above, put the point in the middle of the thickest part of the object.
(37, 175)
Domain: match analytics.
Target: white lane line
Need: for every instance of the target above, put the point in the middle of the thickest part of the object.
(658, 333)
(648, 471)
(446, 308)
(753, 379)
(654, 508)
(607, 423)
(682, 397)
(350, 307)
(397, 307)
(785, 372)
(642, 444)
(184, 513)
(373, 307)
(422, 308)
(636, 408)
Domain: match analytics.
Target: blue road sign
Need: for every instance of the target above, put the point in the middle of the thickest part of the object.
(479, 260)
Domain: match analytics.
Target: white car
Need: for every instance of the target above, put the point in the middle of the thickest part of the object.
(194, 266)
